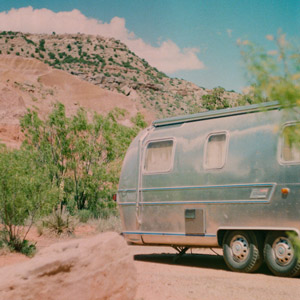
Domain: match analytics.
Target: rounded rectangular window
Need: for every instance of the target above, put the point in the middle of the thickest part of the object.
(290, 143)
(215, 151)
(159, 156)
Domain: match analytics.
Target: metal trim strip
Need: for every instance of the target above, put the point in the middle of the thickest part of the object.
(271, 185)
(210, 186)
(201, 187)
(196, 202)
(207, 202)
(218, 114)
(126, 190)
(167, 233)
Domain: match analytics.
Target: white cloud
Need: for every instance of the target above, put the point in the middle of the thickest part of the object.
(167, 56)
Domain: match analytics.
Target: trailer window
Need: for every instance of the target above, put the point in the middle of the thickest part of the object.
(290, 149)
(215, 151)
(158, 156)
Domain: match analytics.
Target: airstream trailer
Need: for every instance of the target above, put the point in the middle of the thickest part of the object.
(228, 178)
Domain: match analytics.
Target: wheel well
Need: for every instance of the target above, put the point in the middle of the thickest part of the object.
(221, 233)
(262, 233)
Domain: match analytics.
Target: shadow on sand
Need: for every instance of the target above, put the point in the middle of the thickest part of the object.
(207, 261)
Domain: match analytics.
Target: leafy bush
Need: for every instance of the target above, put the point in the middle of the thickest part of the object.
(274, 75)
(28, 41)
(127, 65)
(62, 54)
(84, 215)
(215, 100)
(42, 45)
(51, 55)
(82, 157)
(26, 192)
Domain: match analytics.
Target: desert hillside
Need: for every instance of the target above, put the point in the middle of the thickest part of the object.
(94, 72)
(108, 63)
(29, 83)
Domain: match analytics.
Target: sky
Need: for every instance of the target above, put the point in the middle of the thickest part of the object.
(195, 40)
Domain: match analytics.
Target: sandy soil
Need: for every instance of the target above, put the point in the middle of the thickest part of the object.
(204, 275)
(200, 274)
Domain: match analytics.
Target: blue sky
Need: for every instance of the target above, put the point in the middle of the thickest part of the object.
(194, 40)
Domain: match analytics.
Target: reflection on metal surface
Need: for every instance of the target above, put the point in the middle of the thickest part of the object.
(247, 188)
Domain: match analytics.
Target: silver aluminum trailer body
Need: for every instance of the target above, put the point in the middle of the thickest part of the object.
(219, 178)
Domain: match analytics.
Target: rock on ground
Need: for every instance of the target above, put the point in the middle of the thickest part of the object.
(99, 267)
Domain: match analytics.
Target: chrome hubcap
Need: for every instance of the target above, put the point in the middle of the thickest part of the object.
(283, 251)
(240, 248)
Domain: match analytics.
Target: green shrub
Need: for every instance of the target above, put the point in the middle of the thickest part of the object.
(84, 215)
(42, 45)
(51, 55)
(28, 41)
(83, 157)
(26, 192)
(60, 221)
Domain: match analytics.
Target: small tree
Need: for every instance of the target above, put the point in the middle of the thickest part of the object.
(81, 156)
(215, 100)
(26, 192)
(275, 75)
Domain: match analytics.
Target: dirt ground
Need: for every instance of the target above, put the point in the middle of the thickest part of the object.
(200, 274)
(203, 275)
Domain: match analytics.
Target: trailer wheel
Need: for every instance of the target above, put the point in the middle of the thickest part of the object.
(280, 255)
(242, 251)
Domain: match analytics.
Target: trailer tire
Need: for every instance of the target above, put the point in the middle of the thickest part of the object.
(242, 251)
(280, 255)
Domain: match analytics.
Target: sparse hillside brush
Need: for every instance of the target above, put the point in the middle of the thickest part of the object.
(215, 100)
(42, 45)
(51, 55)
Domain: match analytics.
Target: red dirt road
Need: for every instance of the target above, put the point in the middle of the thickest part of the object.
(204, 276)
(201, 275)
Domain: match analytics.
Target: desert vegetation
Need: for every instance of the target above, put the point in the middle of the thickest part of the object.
(275, 75)
(67, 168)
(108, 63)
